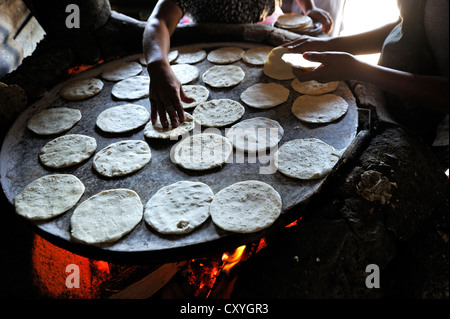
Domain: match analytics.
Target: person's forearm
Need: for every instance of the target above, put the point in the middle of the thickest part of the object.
(362, 43)
(306, 5)
(159, 28)
(432, 91)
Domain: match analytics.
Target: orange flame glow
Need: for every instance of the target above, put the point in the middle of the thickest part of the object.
(81, 68)
(230, 260)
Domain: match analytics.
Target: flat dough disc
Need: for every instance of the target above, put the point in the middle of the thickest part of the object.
(313, 87)
(49, 196)
(296, 60)
(170, 57)
(306, 159)
(221, 76)
(122, 158)
(122, 118)
(257, 55)
(81, 89)
(158, 131)
(119, 71)
(54, 121)
(225, 55)
(67, 150)
(107, 216)
(324, 108)
(190, 56)
(185, 72)
(202, 151)
(198, 92)
(218, 112)
(132, 88)
(246, 207)
(179, 208)
(275, 67)
(255, 134)
(265, 95)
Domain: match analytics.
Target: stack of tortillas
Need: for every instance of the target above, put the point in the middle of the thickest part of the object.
(295, 22)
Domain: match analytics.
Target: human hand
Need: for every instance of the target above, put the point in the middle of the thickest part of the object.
(335, 66)
(166, 95)
(323, 17)
(307, 43)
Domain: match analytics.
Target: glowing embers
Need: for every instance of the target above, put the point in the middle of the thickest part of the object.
(60, 274)
(81, 68)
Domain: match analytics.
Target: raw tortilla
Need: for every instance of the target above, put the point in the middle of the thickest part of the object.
(132, 88)
(306, 159)
(67, 150)
(185, 72)
(122, 118)
(275, 67)
(256, 134)
(122, 158)
(54, 121)
(265, 95)
(225, 55)
(257, 55)
(179, 208)
(157, 131)
(202, 151)
(218, 112)
(221, 76)
(313, 87)
(198, 92)
(246, 207)
(170, 57)
(49, 196)
(107, 216)
(296, 60)
(122, 70)
(190, 55)
(81, 89)
(319, 108)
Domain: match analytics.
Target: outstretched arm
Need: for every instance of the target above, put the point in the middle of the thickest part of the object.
(339, 66)
(166, 93)
(362, 43)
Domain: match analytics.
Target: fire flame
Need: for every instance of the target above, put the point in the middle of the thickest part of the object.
(230, 260)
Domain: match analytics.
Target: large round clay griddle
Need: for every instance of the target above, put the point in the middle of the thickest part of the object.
(20, 166)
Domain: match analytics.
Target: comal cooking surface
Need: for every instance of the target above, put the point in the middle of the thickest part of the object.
(20, 164)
